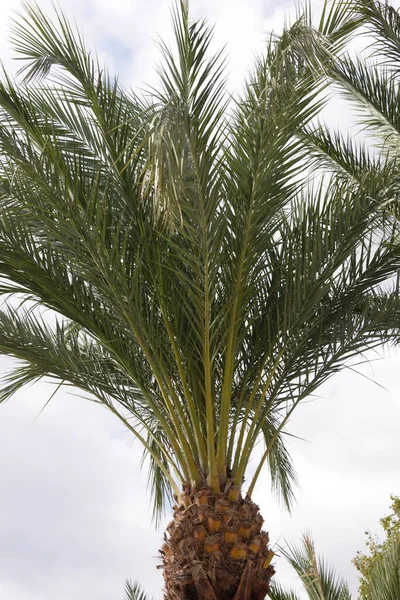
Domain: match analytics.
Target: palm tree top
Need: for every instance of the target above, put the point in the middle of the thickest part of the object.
(199, 283)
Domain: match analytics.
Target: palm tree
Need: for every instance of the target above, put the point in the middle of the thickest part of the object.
(170, 256)
(320, 581)
(133, 591)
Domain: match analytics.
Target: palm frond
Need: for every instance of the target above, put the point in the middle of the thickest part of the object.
(280, 465)
(383, 21)
(348, 159)
(374, 93)
(319, 580)
(69, 355)
(133, 591)
(160, 488)
(338, 23)
(277, 592)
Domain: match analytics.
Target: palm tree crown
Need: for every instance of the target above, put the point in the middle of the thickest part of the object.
(200, 284)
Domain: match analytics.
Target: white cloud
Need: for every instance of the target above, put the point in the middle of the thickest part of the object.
(74, 514)
(347, 468)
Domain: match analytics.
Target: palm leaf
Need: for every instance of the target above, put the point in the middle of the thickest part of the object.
(383, 21)
(133, 591)
(277, 592)
(319, 580)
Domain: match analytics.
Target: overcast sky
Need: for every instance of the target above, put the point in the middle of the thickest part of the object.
(74, 513)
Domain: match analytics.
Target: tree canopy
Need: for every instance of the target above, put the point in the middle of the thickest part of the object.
(374, 564)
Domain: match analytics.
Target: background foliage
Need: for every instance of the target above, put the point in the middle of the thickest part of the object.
(378, 551)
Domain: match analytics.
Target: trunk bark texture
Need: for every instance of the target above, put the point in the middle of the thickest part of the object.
(215, 549)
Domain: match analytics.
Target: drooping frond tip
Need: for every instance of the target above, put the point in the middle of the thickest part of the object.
(134, 591)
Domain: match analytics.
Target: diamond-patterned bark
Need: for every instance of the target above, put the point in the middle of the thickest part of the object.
(215, 549)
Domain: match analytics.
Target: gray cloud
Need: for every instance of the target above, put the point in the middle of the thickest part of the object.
(74, 514)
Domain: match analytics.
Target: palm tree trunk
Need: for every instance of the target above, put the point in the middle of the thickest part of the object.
(215, 549)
